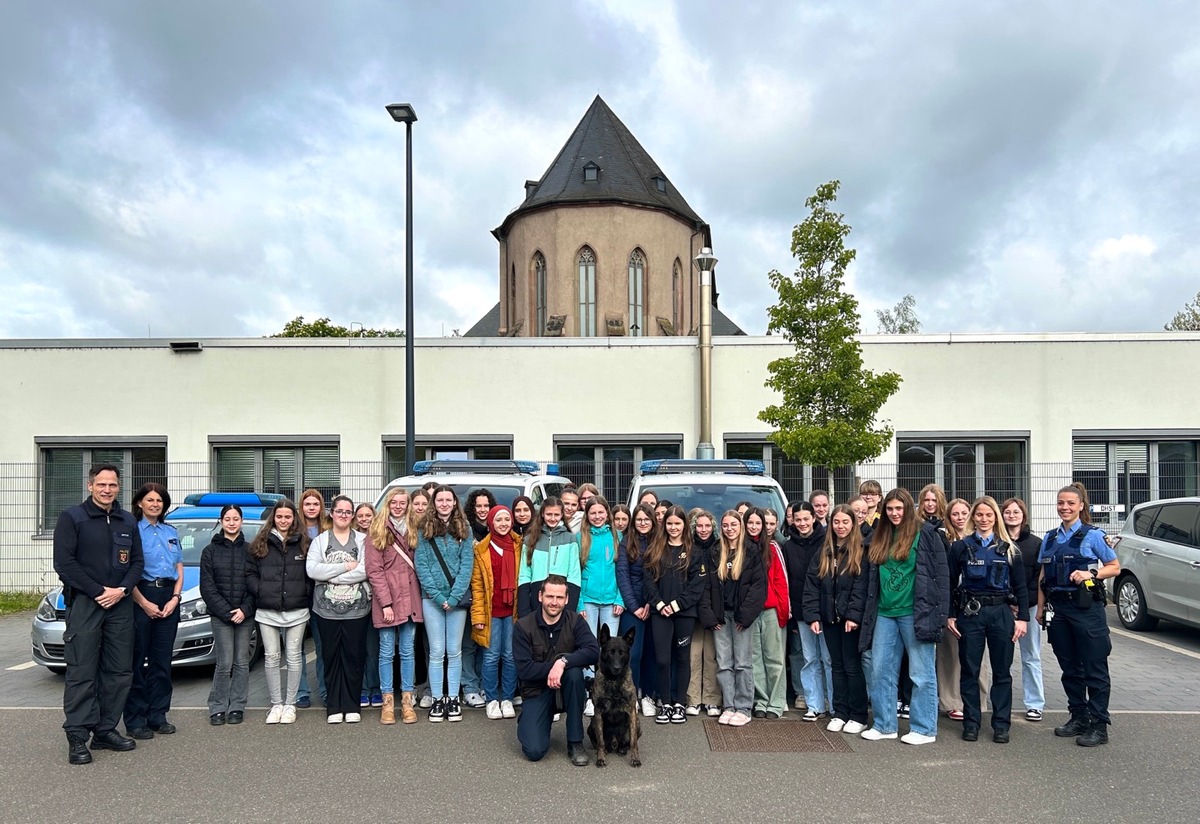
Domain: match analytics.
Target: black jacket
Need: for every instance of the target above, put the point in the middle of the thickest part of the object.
(1030, 546)
(278, 580)
(224, 568)
(931, 593)
(747, 594)
(684, 587)
(709, 611)
(798, 554)
(94, 549)
(537, 645)
(835, 598)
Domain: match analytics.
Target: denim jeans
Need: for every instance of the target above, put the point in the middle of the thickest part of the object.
(892, 637)
(293, 648)
(371, 683)
(770, 688)
(816, 674)
(499, 666)
(304, 691)
(735, 665)
(595, 615)
(231, 676)
(1031, 664)
(471, 659)
(641, 654)
(407, 633)
(444, 629)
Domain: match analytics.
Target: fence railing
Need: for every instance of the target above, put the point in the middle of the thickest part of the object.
(30, 504)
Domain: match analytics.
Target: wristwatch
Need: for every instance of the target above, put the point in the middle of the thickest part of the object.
(563, 658)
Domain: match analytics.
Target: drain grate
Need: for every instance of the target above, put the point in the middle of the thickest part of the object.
(774, 736)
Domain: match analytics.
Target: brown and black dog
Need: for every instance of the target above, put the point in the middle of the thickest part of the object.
(615, 726)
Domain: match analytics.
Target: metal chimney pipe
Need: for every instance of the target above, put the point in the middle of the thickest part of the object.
(706, 263)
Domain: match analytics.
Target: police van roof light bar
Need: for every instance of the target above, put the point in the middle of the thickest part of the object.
(475, 467)
(688, 465)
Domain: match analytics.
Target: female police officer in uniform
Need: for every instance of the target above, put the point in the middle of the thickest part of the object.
(989, 580)
(1074, 560)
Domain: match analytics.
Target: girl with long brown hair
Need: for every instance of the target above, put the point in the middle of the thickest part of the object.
(743, 589)
(631, 559)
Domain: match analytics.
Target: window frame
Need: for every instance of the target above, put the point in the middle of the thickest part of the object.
(87, 446)
(637, 293)
(540, 302)
(585, 261)
(1020, 483)
(260, 445)
(1111, 479)
(611, 480)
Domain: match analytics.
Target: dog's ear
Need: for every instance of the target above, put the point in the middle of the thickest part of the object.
(604, 634)
(629, 635)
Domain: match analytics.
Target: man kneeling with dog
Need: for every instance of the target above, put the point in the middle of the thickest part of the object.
(552, 650)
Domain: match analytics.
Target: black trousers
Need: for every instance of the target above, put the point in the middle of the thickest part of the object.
(344, 653)
(153, 645)
(533, 725)
(1082, 645)
(98, 645)
(849, 684)
(993, 627)
(672, 645)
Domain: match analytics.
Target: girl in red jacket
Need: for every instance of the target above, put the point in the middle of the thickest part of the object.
(769, 641)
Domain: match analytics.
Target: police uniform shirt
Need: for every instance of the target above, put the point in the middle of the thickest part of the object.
(160, 549)
(1094, 546)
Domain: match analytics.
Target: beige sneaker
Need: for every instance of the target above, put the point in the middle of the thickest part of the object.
(388, 714)
(289, 715)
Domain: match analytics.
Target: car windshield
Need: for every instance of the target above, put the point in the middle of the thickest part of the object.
(716, 497)
(504, 494)
(195, 535)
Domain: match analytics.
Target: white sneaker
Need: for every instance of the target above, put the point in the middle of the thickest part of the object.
(713, 711)
(493, 710)
(916, 739)
(516, 702)
(725, 717)
(276, 714)
(649, 709)
(289, 715)
(693, 709)
(353, 717)
(426, 700)
(875, 735)
(836, 725)
(474, 700)
(554, 719)
(800, 704)
(507, 709)
(336, 718)
(854, 727)
(589, 709)
(739, 719)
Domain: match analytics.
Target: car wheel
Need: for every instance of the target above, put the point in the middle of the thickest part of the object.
(1131, 606)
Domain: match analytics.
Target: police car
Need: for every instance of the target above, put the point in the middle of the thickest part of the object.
(196, 520)
(712, 485)
(504, 479)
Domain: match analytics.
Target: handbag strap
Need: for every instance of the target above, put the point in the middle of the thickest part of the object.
(442, 561)
(404, 555)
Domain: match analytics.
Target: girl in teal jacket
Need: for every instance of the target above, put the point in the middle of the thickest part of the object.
(554, 552)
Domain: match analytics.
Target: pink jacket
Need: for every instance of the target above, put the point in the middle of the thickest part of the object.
(393, 584)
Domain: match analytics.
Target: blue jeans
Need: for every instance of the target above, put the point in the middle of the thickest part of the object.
(304, 691)
(371, 682)
(499, 666)
(1031, 664)
(893, 636)
(816, 674)
(595, 615)
(444, 629)
(471, 656)
(407, 633)
(641, 654)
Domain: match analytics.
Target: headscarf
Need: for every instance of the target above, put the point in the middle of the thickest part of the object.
(506, 548)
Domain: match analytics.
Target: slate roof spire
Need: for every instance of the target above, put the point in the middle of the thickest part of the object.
(623, 172)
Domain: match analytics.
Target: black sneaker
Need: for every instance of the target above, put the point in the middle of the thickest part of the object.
(904, 711)
(453, 710)
(664, 714)
(678, 714)
(438, 711)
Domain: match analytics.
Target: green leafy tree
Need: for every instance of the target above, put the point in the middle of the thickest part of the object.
(298, 327)
(1186, 319)
(901, 319)
(830, 402)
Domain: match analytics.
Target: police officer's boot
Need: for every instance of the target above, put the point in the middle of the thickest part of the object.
(77, 751)
(1078, 725)
(1095, 736)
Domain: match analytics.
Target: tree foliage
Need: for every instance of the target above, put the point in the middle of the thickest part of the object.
(1186, 319)
(901, 319)
(298, 327)
(830, 402)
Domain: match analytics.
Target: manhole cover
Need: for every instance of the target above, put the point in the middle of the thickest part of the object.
(774, 736)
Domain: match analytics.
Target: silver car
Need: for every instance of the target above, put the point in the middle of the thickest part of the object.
(1159, 551)
(193, 639)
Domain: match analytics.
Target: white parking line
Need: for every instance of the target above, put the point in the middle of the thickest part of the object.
(19, 667)
(1154, 642)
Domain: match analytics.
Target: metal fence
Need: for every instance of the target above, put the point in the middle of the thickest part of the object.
(30, 501)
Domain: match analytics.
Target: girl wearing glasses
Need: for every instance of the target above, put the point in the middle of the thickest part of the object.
(631, 555)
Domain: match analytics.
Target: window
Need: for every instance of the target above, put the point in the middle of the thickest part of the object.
(965, 468)
(1176, 523)
(282, 468)
(512, 298)
(610, 466)
(539, 291)
(637, 285)
(1130, 472)
(677, 298)
(489, 449)
(64, 473)
(660, 183)
(591, 172)
(797, 479)
(587, 293)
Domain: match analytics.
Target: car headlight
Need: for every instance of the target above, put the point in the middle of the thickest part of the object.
(193, 610)
(45, 610)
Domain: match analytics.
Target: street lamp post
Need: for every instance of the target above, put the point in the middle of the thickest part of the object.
(705, 262)
(404, 113)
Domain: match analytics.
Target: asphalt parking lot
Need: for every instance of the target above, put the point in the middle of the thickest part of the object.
(473, 771)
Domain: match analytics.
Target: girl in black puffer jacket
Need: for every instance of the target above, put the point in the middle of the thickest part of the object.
(835, 598)
(231, 607)
(1016, 520)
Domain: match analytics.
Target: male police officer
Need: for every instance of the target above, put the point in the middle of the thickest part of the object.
(98, 556)
(1074, 559)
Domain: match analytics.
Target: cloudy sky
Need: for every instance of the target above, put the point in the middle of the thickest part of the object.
(217, 168)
